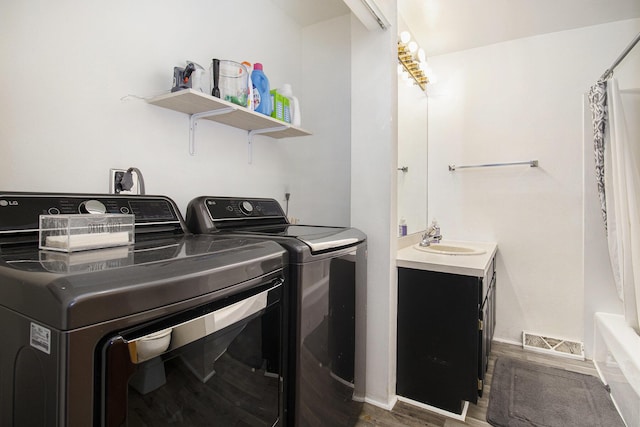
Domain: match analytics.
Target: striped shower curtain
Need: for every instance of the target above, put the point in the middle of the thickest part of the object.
(617, 156)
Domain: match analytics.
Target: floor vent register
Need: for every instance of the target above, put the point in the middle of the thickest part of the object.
(550, 345)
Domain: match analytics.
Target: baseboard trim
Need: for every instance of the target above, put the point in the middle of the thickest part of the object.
(384, 405)
(506, 341)
(459, 417)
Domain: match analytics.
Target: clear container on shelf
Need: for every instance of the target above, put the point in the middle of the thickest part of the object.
(233, 82)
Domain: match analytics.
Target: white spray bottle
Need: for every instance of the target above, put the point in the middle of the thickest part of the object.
(294, 105)
(249, 68)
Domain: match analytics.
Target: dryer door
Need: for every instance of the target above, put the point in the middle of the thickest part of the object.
(218, 364)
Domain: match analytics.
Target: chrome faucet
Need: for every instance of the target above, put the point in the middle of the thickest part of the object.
(432, 234)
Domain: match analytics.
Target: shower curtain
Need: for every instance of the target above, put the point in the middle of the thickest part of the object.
(617, 153)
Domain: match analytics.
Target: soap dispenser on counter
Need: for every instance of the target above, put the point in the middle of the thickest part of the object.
(402, 228)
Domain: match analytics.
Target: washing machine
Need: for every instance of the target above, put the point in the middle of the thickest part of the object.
(325, 296)
(174, 329)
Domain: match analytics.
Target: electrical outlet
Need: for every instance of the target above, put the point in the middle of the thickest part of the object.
(115, 180)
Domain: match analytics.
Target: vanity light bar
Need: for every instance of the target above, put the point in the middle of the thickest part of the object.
(411, 66)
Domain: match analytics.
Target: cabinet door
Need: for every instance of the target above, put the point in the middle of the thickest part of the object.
(487, 318)
(437, 338)
(491, 322)
(483, 358)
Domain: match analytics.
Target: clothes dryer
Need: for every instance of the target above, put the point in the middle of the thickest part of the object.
(175, 329)
(326, 300)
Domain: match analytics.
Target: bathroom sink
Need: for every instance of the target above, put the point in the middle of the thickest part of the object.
(449, 249)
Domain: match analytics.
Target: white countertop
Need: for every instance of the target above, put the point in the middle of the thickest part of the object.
(466, 265)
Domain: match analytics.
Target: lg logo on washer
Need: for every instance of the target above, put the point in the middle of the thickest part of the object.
(4, 203)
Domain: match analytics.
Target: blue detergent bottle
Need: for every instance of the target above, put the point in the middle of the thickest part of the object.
(261, 90)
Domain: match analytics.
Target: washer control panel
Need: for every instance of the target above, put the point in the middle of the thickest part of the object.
(228, 208)
(21, 211)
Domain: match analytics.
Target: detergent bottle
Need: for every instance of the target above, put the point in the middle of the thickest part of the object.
(261, 90)
(249, 67)
(294, 105)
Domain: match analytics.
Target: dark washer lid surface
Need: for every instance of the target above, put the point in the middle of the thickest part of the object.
(317, 238)
(68, 291)
(166, 265)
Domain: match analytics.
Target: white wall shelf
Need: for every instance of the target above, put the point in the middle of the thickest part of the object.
(202, 106)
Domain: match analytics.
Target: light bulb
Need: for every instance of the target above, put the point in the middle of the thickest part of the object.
(413, 46)
(405, 37)
(421, 55)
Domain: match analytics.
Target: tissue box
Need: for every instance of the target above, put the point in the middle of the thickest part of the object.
(69, 233)
(281, 106)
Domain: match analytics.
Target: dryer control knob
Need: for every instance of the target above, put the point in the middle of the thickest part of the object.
(92, 207)
(246, 208)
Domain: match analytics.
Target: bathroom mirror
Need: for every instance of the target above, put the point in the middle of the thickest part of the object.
(412, 155)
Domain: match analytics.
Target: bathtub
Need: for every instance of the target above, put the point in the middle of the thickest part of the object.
(617, 359)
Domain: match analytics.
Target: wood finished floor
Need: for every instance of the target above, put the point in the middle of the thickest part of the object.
(410, 416)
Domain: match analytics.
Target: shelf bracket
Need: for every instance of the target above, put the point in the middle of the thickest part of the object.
(258, 132)
(197, 116)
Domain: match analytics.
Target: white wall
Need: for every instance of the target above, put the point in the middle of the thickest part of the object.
(321, 163)
(67, 65)
(521, 100)
(373, 191)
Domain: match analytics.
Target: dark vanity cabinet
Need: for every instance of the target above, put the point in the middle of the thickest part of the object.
(445, 326)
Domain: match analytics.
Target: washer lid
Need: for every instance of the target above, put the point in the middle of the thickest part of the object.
(265, 217)
(66, 291)
(317, 238)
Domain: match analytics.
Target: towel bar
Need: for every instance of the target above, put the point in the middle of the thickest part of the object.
(531, 163)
